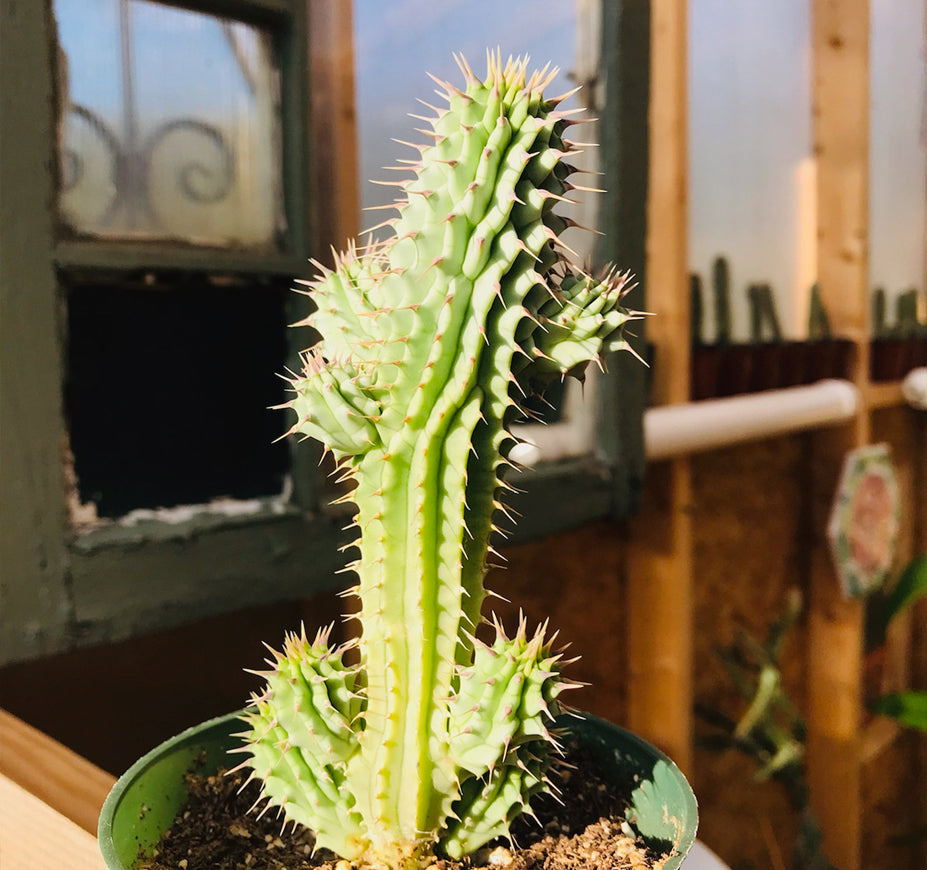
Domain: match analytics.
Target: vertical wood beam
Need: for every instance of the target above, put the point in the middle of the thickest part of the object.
(835, 648)
(659, 613)
(835, 626)
(333, 213)
(659, 565)
(333, 126)
(667, 202)
(840, 33)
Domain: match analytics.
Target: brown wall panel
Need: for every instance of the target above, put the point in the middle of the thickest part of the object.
(749, 529)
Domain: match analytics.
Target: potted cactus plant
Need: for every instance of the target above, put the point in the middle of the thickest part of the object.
(434, 740)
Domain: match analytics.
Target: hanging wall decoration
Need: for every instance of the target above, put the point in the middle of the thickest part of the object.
(863, 528)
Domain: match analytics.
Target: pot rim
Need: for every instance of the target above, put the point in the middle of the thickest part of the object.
(592, 727)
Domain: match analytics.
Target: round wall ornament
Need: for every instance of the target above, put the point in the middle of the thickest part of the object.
(863, 527)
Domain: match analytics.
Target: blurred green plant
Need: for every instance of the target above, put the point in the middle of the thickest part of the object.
(770, 730)
(908, 708)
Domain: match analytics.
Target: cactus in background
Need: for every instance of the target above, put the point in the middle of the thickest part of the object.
(879, 326)
(762, 305)
(696, 310)
(818, 319)
(429, 342)
(755, 306)
(770, 730)
(906, 313)
(721, 282)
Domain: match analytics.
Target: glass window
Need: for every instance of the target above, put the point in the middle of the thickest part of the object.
(898, 154)
(392, 52)
(168, 392)
(751, 169)
(170, 125)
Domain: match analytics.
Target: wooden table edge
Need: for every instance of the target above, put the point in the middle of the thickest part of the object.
(56, 775)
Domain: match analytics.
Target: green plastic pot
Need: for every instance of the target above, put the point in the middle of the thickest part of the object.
(145, 800)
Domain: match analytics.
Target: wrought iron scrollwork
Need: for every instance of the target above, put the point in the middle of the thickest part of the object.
(199, 181)
(73, 162)
(131, 157)
(130, 173)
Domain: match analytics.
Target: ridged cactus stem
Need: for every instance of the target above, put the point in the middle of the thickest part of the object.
(429, 343)
(411, 505)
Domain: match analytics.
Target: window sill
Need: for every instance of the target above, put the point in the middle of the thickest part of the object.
(551, 497)
(107, 254)
(180, 523)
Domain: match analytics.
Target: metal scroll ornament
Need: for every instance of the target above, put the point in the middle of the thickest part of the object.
(130, 185)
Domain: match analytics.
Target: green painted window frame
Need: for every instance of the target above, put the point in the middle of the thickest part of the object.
(287, 21)
(60, 589)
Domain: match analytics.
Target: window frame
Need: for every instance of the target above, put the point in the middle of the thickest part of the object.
(286, 20)
(60, 589)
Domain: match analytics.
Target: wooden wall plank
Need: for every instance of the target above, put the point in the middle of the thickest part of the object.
(333, 126)
(840, 33)
(660, 612)
(659, 565)
(667, 265)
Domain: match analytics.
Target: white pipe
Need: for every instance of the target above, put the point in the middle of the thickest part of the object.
(677, 430)
(914, 388)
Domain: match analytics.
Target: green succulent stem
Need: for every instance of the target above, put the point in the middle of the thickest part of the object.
(430, 341)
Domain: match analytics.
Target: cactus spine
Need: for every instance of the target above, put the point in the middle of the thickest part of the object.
(429, 341)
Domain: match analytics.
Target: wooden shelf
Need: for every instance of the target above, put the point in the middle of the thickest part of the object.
(51, 798)
(66, 782)
(33, 836)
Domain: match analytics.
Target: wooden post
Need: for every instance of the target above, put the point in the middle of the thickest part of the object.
(660, 553)
(835, 625)
(333, 126)
(667, 201)
(333, 212)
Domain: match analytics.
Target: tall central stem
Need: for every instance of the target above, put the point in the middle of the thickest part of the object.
(415, 528)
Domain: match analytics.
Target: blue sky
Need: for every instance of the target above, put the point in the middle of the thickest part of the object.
(183, 65)
(398, 42)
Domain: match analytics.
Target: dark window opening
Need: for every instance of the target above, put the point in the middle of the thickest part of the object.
(168, 392)
(546, 407)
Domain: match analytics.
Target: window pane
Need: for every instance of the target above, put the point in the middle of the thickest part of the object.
(898, 156)
(751, 171)
(169, 390)
(170, 125)
(398, 43)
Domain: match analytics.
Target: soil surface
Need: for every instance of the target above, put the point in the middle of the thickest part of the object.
(215, 831)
